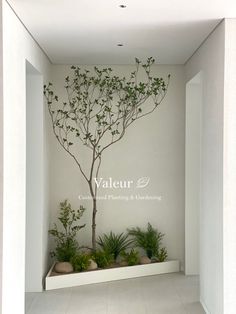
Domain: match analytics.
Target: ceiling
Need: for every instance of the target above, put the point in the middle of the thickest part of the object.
(88, 32)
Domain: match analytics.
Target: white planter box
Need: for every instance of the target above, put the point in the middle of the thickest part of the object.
(104, 275)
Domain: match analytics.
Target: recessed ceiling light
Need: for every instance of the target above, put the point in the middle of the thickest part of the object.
(120, 45)
(122, 6)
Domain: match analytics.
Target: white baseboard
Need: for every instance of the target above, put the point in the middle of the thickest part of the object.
(105, 275)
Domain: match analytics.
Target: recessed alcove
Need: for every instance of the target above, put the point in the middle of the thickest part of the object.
(185, 147)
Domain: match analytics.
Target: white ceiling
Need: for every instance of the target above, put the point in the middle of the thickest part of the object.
(87, 31)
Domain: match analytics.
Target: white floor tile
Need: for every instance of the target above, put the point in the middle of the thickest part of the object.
(88, 299)
(162, 294)
(194, 308)
(29, 299)
(51, 302)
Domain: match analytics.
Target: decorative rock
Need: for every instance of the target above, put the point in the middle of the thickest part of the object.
(63, 267)
(145, 260)
(93, 265)
(87, 251)
(123, 263)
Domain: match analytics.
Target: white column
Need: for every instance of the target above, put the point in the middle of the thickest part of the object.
(34, 181)
(192, 174)
(229, 214)
(1, 155)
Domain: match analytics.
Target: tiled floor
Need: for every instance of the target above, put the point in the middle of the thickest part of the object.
(162, 294)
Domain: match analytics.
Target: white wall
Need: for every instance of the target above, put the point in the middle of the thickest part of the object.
(230, 168)
(34, 263)
(209, 59)
(192, 173)
(153, 147)
(17, 47)
(1, 155)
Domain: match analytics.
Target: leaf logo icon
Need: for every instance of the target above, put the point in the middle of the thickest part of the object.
(142, 182)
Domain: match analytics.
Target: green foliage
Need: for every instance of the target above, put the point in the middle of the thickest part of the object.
(162, 255)
(66, 243)
(149, 240)
(100, 102)
(80, 262)
(102, 258)
(64, 251)
(114, 244)
(132, 257)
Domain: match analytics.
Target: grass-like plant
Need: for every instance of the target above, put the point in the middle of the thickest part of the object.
(114, 243)
(149, 240)
(102, 258)
(162, 255)
(131, 258)
(65, 238)
(80, 262)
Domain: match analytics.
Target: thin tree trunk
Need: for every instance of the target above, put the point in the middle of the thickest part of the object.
(93, 215)
(94, 223)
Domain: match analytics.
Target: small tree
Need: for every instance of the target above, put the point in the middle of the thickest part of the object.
(100, 108)
(66, 242)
